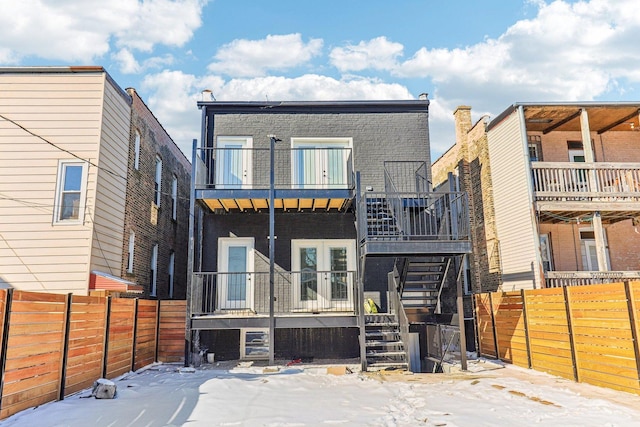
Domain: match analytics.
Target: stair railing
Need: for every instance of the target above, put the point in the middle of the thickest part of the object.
(394, 203)
(396, 308)
(438, 309)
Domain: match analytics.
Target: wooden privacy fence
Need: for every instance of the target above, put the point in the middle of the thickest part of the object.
(584, 333)
(54, 345)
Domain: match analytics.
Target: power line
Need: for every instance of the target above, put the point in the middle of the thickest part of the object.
(62, 149)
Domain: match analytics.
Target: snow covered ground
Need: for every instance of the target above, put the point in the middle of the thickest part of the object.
(224, 395)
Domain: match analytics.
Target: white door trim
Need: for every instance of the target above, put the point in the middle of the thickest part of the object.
(244, 157)
(224, 243)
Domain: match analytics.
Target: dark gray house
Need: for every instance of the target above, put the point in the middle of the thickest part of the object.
(302, 212)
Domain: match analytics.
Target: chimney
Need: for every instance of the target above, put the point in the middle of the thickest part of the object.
(462, 117)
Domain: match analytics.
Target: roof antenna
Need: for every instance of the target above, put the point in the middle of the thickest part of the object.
(266, 95)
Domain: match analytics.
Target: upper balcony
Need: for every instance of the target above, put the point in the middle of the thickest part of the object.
(568, 189)
(305, 178)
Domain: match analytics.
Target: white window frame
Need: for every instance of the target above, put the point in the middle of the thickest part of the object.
(172, 266)
(319, 160)
(157, 196)
(261, 344)
(174, 198)
(62, 167)
(136, 159)
(154, 271)
(224, 243)
(324, 301)
(132, 244)
(245, 158)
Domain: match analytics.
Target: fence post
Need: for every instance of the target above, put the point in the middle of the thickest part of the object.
(65, 346)
(631, 305)
(474, 299)
(159, 302)
(526, 326)
(574, 358)
(107, 326)
(5, 339)
(493, 326)
(135, 335)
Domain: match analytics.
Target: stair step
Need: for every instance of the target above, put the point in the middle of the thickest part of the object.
(385, 353)
(381, 334)
(386, 365)
(382, 324)
(384, 343)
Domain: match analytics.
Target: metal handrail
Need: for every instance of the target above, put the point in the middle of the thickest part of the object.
(295, 292)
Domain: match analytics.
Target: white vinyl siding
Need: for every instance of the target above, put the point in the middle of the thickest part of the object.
(66, 110)
(108, 216)
(511, 179)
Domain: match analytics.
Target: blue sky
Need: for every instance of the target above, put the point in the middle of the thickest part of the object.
(486, 54)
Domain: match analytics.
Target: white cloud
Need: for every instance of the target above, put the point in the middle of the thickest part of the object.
(82, 30)
(172, 95)
(251, 58)
(378, 53)
(129, 65)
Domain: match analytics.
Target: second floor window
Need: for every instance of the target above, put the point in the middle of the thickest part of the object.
(158, 181)
(174, 197)
(136, 159)
(154, 271)
(70, 192)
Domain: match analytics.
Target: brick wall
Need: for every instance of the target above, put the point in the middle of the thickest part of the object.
(156, 226)
(470, 158)
(376, 137)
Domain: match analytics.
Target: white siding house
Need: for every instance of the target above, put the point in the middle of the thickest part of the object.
(64, 136)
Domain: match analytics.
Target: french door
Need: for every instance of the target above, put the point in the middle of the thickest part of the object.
(235, 278)
(233, 162)
(320, 163)
(323, 274)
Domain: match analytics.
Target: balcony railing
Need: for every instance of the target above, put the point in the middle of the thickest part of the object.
(295, 292)
(406, 177)
(556, 279)
(586, 181)
(294, 168)
(413, 216)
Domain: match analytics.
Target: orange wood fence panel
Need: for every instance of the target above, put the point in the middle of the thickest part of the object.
(171, 334)
(34, 351)
(120, 344)
(86, 342)
(484, 315)
(510, 327)
(601, 326)
(548, 329)
(145, 350)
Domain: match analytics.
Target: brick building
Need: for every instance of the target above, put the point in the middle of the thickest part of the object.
(155, 247)
(354, 218)
(560, 187)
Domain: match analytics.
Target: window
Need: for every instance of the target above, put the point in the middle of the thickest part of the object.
(158, 181)
(320, 162)
(174, 198)
(535, 148)
(132, 242)
(136, 159)
(70, 193)
(154, 270)
(234, 164)
(172, 265)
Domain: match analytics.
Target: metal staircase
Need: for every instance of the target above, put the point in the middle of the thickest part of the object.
(385, 349)
(381, 223)
(421, 282)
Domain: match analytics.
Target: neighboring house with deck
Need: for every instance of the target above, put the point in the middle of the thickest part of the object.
(343, 187)
(559, 194)
(93, 191)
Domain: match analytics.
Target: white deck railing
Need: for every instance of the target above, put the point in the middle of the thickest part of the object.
(615, 181)
(556, 279)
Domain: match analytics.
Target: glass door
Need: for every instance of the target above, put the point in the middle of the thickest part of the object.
(233, 162)
(323, 274)
(320, 163)
(235, 261)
